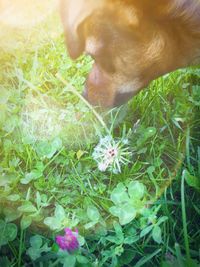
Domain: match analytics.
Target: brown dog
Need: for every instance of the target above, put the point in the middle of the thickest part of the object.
(132, 42)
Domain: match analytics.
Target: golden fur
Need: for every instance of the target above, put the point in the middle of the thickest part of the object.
(132, 42)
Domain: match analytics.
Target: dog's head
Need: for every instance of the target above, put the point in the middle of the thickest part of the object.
(131, 43)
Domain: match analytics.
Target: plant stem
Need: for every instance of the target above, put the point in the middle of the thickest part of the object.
(188, 148)
(20, 248)
(184, 218)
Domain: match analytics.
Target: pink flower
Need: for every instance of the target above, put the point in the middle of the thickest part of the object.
(69, 241)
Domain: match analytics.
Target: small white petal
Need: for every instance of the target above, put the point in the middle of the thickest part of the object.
(102, 167)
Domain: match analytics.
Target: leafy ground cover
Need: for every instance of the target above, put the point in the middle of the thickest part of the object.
(138, 206)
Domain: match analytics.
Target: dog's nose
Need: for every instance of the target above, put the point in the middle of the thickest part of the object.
(122, 98)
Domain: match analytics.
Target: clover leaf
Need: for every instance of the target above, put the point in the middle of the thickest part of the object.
(55, 222)
(37, 247)
(136, 190)
(46, 149)
(119, 195)
(128, 201)
(8, 232)
(60, 219)
(127, 214)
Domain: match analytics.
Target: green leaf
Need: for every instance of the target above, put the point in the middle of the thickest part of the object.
(131, 239)
(150, 170)
(118, 229)
(136, 190)
(59, 213)
(115, 211)
(11, 123)
(57, 143)
(14, 162)
(145, 135)
(114, 262)
(36, 248)
(150, 131)
(38, 199)
(127, 214)
(81, 240)
(11, 214)
(36, 241)
(81, 259)
(68, 261)
(8, 232)
(142, 151)
(53, 223)
(115, 240)
(27, 208)
(33, 253)
(93, 213)
(119, 195)
(191, 180)
(156, 234)
(25, 222)
(7, 180)
(13, 197)
(90, 225)
(146, 230)
(45, 149)
(162, 220)
(11, 230)
(80, 153)
(34, 175)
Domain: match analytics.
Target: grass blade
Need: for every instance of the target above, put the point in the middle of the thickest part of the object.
(184, 220)
(146, 259)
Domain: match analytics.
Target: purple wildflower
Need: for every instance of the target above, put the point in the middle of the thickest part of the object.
(69, 241)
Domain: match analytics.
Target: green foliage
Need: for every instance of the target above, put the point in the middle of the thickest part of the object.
(59, 220)
(8, 232)
(128, 201)
(37, 247)
(48, 179)
(192, 180)
(93, 215)
(45, 149)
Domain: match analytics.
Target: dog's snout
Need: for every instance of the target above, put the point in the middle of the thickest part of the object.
(121, 98)
(104, 99)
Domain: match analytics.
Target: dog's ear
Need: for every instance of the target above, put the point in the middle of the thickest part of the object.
(73, 14)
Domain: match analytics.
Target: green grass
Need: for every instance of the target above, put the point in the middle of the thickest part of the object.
(49, 180)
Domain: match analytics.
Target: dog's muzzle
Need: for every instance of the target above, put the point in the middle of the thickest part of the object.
(122, 98)
(119, 99)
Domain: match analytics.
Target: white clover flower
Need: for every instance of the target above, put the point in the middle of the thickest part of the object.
(102, 166)
(111, 154)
